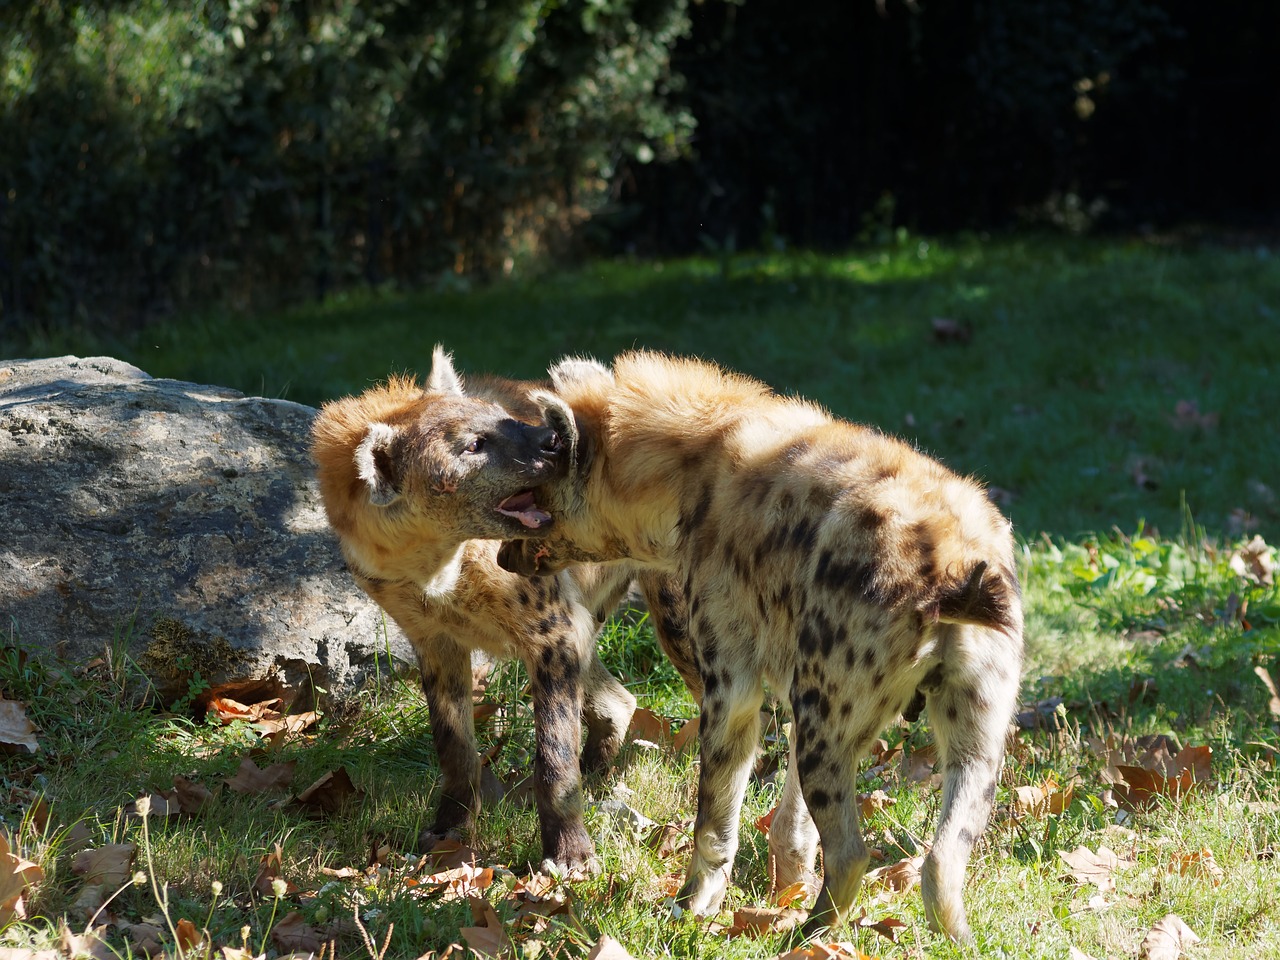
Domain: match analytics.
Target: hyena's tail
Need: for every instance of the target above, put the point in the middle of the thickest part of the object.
(986, 598)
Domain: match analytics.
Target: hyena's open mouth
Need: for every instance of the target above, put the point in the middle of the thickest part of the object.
(523, 507)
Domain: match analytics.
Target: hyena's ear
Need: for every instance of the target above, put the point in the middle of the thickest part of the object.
(560, 418)
(443, 378)
(376, 464)
(569, 371)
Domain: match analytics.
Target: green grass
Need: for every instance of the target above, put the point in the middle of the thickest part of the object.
(1065, 395)
(1080, 351)
(1100, 614)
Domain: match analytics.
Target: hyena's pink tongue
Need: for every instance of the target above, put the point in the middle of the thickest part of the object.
(524, 508)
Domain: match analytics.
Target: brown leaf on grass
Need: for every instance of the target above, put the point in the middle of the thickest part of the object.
(668, 839)
(765, 821)
(250, 779)
(330, 793)
(26, 953)
(1198, 864)
(16, 875)
(17, 733)
(188, 936)
(876, 800)
(887, 928)
(797, 892)
(607, 948)
(1163, 776)
(686, 737)
(917, 766)
(539, 898)
(759, 921)
(1047, 715)
(110, 865)
(271, 869)
(448, 853)
(228, 710)
(293, 933)
(647, 725)
(1076, 953)
(1253, 562)
(896, 877)
(1273, 705)
(1167, 939)
(456, 883)
(825, 951)
(1096, 868)
(146, 937)
(1187, 416)
(87, 903)
(290, 723)
(154, 804)
(91, 944)
(342, 873)
(189, 795)
(1041, 801)
(487, 937)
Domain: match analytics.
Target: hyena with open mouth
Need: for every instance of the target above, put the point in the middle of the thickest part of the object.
(838, 564)
(411, 477)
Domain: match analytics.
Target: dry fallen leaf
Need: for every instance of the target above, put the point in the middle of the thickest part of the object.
(293, 933)
(110, 865)
(17, 733)
(607, 948)
(145, 937)
(271, 869)
(189, 795)
(869, 803)
(825, 951)
(487, 937)
(1198, 864)
(1253, 562)
(758, 921)
(457, 883)
(668, 839)
(16, 875)
(1096, 868)
(1167, 939)
(917, 766)
(1039, 802)
(330, 793)
(648, 726)
(887, 928)
(188, 936)
(797, 892)
(686, 737)
(765, 821)
(896, 877)
(250, 779)
(91, 944)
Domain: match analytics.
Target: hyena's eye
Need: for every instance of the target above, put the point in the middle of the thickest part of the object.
(476, 445)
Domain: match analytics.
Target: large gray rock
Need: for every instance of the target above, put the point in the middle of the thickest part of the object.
(179, 523)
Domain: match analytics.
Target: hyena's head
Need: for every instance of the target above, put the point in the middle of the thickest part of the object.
(572, 408)
(401, 461)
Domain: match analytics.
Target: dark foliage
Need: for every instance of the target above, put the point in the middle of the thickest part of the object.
(254, 150)
(830, 121)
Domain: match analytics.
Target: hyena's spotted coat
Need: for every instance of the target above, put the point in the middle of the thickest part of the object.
(839, 565)
(408, 477)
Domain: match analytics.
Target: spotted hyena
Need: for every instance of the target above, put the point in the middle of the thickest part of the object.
(840, 565)
(410, 477)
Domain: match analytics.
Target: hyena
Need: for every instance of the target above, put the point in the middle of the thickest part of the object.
(410, 477)
(838, 564)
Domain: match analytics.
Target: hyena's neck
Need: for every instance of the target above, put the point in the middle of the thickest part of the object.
(433, 563)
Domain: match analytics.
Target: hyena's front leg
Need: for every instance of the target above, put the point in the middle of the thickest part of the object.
(730, 732)
(446, 680)
(607, 708)
(556, 673)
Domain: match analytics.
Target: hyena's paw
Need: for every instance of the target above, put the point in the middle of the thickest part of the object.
(571, 854)
(703, 892)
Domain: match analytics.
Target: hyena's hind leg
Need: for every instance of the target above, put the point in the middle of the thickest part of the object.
(971, 699)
